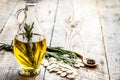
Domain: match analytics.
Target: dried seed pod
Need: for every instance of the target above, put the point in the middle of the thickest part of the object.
(78, 60)
(69, 71)
(57, 69)
(51, 66)
(52, 70)
(68, 66)
(77, 65)
(59, 72)
(52, 62)
(52, 59)
(63, 74)
(70, 76)
(45, 64)
(63, 69)
(81, 64)
(61, 64)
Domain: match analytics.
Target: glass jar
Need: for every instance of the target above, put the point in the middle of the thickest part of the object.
(29, 42)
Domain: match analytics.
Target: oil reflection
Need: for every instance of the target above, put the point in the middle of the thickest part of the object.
(27, 78)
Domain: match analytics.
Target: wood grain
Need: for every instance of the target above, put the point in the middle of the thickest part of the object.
(46, 12)
(110, 22)
(10, 27)
(6, 59)
(6, 8)
(81, 33)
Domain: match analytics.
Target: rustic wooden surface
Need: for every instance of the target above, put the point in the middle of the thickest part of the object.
(90, 27)
(110, 22)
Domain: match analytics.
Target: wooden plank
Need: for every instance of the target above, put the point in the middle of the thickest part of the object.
(7, 63)
(110, 22)
(84, 35)
(46, 13)
(10, 28)
(6, 8)
(63, 10)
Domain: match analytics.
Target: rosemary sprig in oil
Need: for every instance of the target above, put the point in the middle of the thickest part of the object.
(30, 48)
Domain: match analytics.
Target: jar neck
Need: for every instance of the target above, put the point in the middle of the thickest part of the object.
(31, 17)
(31, 13)
(31, 2)
(30, 8)
(28, 15)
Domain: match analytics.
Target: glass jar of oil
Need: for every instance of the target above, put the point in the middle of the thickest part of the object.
(29, 42)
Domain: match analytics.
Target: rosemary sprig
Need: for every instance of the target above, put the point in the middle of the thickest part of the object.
(28, 31)
(6, 47)
(56, 52)
(69, 61)
(61, 51)
(30, 50)
(25, 60)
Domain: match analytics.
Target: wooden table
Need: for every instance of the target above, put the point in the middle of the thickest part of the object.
(90, 26)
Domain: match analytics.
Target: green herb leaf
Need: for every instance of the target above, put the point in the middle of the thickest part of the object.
(56, 52)
(28, 31)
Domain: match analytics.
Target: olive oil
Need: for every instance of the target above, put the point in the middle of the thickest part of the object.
(29, 54)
